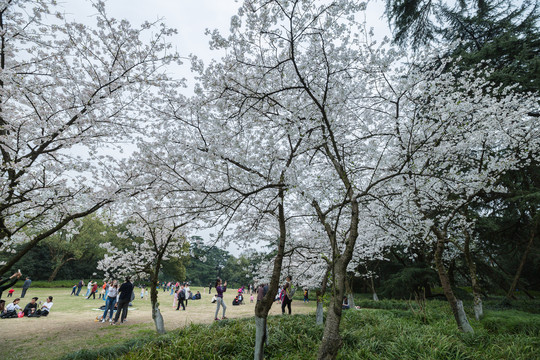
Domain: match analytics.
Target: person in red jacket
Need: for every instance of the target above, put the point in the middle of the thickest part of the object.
(93, 292)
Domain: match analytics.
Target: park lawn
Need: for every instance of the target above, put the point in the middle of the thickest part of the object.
(71, 326)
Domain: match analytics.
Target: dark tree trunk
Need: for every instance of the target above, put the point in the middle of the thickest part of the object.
(331, 341)
(58, 267)
(523, 259)
(455, 304)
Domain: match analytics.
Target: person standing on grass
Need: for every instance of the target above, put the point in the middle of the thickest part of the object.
(26, 285)
(102, 292)
(125, 290)
(287, 297)
(181, 295)
(220, 290)
(93, 291)
(111, 301)
(79, 287)
(187, 292)
(89, 289)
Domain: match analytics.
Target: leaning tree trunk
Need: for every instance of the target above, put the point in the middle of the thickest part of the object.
(523, 259)
(58, 267)
(262, 308)
(478, 309)
(455, 304)
(331, 341)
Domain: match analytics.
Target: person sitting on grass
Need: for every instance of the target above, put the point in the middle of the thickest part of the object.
(11, 309)
(31, 307)
(46, 308)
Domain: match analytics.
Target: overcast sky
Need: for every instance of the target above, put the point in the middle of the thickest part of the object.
(191, 18)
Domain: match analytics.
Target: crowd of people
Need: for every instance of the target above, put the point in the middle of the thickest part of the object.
(118, 298)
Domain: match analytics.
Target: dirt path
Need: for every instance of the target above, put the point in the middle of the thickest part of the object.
(71, 325)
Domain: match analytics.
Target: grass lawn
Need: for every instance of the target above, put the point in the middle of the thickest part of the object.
(71, 324)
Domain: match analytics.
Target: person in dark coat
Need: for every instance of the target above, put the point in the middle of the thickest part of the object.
(125, 290)
(26, 285)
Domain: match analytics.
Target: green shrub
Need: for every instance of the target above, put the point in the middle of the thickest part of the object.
(511, 322)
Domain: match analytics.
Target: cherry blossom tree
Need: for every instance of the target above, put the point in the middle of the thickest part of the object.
(69, 95)
(466, 133)
(321, 79)
(157, 237)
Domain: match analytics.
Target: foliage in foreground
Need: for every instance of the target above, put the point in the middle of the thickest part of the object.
(367, 334)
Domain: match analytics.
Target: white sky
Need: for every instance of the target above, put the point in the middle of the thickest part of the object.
(191, 18)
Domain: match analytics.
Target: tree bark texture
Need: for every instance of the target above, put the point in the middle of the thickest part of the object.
(331, 341)
(455, 305)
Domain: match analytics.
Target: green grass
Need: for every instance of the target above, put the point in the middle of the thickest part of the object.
(366, 334)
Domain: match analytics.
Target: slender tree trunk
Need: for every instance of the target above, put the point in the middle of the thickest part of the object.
(478, 309)
(372, 285)
(349, 291)
(455, 304)
(263, 307)
(331, 341)
(320, 298)
(523, 259)
(58, 267)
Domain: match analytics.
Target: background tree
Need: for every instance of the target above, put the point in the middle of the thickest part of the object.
(159, 239)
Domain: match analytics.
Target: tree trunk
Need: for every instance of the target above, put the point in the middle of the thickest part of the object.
(349, 292)
(262, 308)
(375, 297)
(320, 298)
(455, 304)
(156, 314)
(523, 259)
(56, 269)
(478, 309)
(261, 336)
(331, 341)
